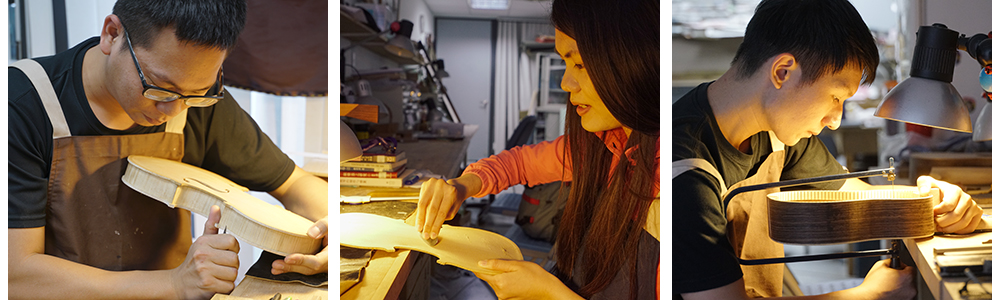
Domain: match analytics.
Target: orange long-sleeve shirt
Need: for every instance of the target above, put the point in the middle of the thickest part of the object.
(542, 163)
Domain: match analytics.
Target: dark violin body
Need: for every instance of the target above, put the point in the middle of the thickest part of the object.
(836, 217)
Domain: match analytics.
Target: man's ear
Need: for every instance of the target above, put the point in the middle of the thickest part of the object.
(782, 68)
(111, 32)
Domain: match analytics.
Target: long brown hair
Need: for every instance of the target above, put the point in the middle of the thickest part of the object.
(604, 217)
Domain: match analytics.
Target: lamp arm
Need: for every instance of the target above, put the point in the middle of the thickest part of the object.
(979, 46)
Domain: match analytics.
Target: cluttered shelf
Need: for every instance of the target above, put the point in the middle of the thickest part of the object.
(358, 32)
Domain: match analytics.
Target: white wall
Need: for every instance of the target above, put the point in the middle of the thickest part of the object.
(465, 46)
(84, 19)
(423, 19)
(39, 28)
(876, 13)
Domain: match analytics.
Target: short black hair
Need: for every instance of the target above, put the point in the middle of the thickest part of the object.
(211, 23)
(823, 35)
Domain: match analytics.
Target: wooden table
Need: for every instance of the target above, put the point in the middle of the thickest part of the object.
(387, 272)
(443, 157)
(384, 276)
(260, 289)
(922, 252)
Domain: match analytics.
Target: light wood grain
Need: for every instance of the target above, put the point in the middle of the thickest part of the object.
(360, 111)
(177, 184)
(257, 288)
(462, 247)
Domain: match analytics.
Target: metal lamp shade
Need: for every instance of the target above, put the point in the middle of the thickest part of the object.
(926, 102)
(350, 148)
(401, 46)
(984, 124)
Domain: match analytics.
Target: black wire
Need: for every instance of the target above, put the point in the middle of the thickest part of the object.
(355, 69)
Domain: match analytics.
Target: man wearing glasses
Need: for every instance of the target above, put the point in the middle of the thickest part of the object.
(155, 89)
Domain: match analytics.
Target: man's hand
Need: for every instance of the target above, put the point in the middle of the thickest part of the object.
(956, 213)
(523, 280)
(307, 264)
(883, 282)
(211, 265)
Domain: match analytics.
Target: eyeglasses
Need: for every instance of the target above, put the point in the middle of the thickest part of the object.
(156, 93)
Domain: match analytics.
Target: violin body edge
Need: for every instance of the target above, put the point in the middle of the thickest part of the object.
(838, 222)
(194, 196)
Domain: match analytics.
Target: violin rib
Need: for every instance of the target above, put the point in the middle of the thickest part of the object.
(835, 217)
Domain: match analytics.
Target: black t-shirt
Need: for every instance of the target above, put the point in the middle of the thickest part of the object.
(221, 138)
(703, 259)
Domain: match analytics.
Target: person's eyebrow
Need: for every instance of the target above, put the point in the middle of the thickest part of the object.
(847, 89)
(173, 86)
(569, 54)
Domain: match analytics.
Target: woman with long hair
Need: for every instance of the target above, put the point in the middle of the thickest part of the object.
(608, 236)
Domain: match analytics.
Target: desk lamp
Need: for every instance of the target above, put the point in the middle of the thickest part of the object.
(401, 44)
(439, 67)
(350, 148)
(927, 97)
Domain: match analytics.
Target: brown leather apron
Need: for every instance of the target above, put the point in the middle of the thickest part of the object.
(91, 217)
(746, 225)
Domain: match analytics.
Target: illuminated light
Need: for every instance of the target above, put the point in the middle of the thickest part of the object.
(489, 4)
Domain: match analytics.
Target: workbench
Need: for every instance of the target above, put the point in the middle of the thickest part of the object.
(388, 272)
(442, 157)
(945, 288)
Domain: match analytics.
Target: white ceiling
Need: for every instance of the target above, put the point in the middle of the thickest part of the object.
(531, 9)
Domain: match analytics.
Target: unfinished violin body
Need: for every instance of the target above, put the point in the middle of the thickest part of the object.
(177, 184)
(835, 217)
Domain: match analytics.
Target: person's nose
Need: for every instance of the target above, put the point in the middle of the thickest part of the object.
(172, 108)
(832, 120)
(569, 83)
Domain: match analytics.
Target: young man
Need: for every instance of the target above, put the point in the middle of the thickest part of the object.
(757, 124)
(150, 84)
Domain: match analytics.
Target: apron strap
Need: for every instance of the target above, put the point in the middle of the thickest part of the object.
(50, 101)
(776, 145)
(176, 125)
(684, 165)
(653, 219)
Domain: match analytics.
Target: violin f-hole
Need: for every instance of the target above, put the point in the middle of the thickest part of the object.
(188, 179)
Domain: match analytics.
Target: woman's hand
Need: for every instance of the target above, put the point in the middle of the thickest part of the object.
(523, 280)
(440, 200)
(304, 263)
(956, 213)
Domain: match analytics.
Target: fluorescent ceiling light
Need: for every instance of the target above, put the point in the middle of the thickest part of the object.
(489, 4)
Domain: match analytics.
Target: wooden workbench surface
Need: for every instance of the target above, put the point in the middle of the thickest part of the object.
(922, 251)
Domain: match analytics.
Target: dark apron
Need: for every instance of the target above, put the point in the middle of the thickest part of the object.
(91, 217)
(746, 215)
(647, 265)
